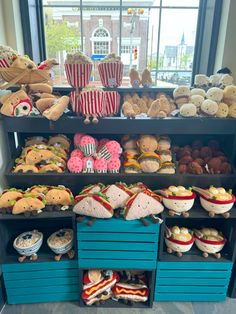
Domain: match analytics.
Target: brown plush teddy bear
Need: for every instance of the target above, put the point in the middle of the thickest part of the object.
(127, 109)
(135, 80)
(147, 144)
(146, 78)
(160, 108)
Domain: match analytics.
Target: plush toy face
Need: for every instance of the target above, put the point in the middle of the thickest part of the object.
(116, 196)
(201, 80)
(209, 107)
(88, 206)
(226, 80)
(223, 110)
(188, 110)
(35, 156)
(197, 100)
(8, 196)
(198, 91)
(23, 63)
(215, 94)
(232, 111)
(58, 197)
(147, 143)
(181, 91)
(230, 93)
(27, 204)
(17, 104)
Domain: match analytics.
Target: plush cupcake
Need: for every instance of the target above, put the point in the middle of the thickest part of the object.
(75, 164)
(113, 165)
(101, 143)
(100, 165)
(77, 138)
(88, 145)
(110, 149)
(88, 165)
(77, 153)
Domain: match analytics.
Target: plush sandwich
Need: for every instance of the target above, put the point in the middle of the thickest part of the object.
(97, 285)
(117, 194)
(93, 205)
(58, 198)
(93, 188)
(8, 198)
(142, 204)
(28, 204)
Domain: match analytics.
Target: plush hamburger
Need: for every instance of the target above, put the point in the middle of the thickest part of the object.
(216, 201)
(149, 162)
(167, 167)
(132, 166)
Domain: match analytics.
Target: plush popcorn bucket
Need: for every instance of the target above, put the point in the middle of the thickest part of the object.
(4, 63)
(74, 99)
(78, 75)
(111, 73)
(92, 102)
(88, 149)
(112, 103)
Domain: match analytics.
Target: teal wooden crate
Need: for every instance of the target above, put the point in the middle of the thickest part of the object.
(116, 243)
(192, 281)
(41, 282)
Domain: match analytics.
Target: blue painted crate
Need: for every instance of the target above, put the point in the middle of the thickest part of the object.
(116, 243)
(41, 282)
(192, 281)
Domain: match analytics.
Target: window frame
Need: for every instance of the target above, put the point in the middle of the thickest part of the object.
(209, 15)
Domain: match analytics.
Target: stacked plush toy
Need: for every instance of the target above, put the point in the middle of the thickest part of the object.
(126, 286)
(199, 158)
(41, 155)
(91, 155)
(147, 153)
(159, 106)
(35, 199)
(135, 80)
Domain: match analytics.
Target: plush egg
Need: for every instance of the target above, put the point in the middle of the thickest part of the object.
(188, 110)
(209, 107)
(223, 110)
(197, 100)
(215, 94)
(198, 91)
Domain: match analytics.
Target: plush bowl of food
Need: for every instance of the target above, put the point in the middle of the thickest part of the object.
(61, 241)
(209, 241)
(179, 240)
(28, 243)
(178, 199)
(216, 200)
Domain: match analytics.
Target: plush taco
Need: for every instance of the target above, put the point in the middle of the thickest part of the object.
(60, 140)
(52, 167)
(216, 200)
(117, 194)
(58, 198)
(179, 240)
(27, 204)
(143, 204)
(23, 168)
(93, 205)
(36, 156)
(178, 200)
(38, 190)
(7, 199)
(35, 140)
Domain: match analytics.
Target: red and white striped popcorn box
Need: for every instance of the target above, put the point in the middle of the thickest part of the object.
(89, 149)
(92, 102)
(104, 153)
(4, 63)
(112, 103)
(111, 73)
(74, 99)
(78, 75)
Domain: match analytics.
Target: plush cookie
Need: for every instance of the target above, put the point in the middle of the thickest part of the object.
(93, 205)
(28, 203)
(229, 95)
(117, 194)
(24, 168)
(201, 80)
(16, 105)
(135, 80)
(209, 107)
(223, 110)
(198, 91)
(197, 100)
(58, 197)
(232, 110)
(127, 109)
(147, 143)
(188, 110)
(57, 109)
(181, 95)
(146, 78)
(215, 94)
(8, 197)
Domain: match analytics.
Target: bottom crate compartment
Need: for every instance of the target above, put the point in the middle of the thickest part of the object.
(192, 281)
(41, 282)
(97, 290)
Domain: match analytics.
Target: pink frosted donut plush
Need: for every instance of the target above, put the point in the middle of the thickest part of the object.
(88, 164)
(100, 165)
(113, 165)
(88, 145)
(77, 138)
(110, 149)
(77, 153)
(74, 164)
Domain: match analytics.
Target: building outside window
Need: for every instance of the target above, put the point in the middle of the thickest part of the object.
(163, 32)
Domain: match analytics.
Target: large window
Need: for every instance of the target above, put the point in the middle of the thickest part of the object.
(163, 33)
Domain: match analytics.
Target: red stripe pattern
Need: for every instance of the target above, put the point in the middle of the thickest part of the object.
(4, 63)
(111, 73)
(78, 75)
(112, 103)
(74, 99)
(92, 102)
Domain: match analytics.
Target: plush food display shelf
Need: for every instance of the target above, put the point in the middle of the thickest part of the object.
(192, 281)
(41, 282)
(120, 125)
(116, 243)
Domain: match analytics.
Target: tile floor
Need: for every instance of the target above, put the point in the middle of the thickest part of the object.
(227, 307)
